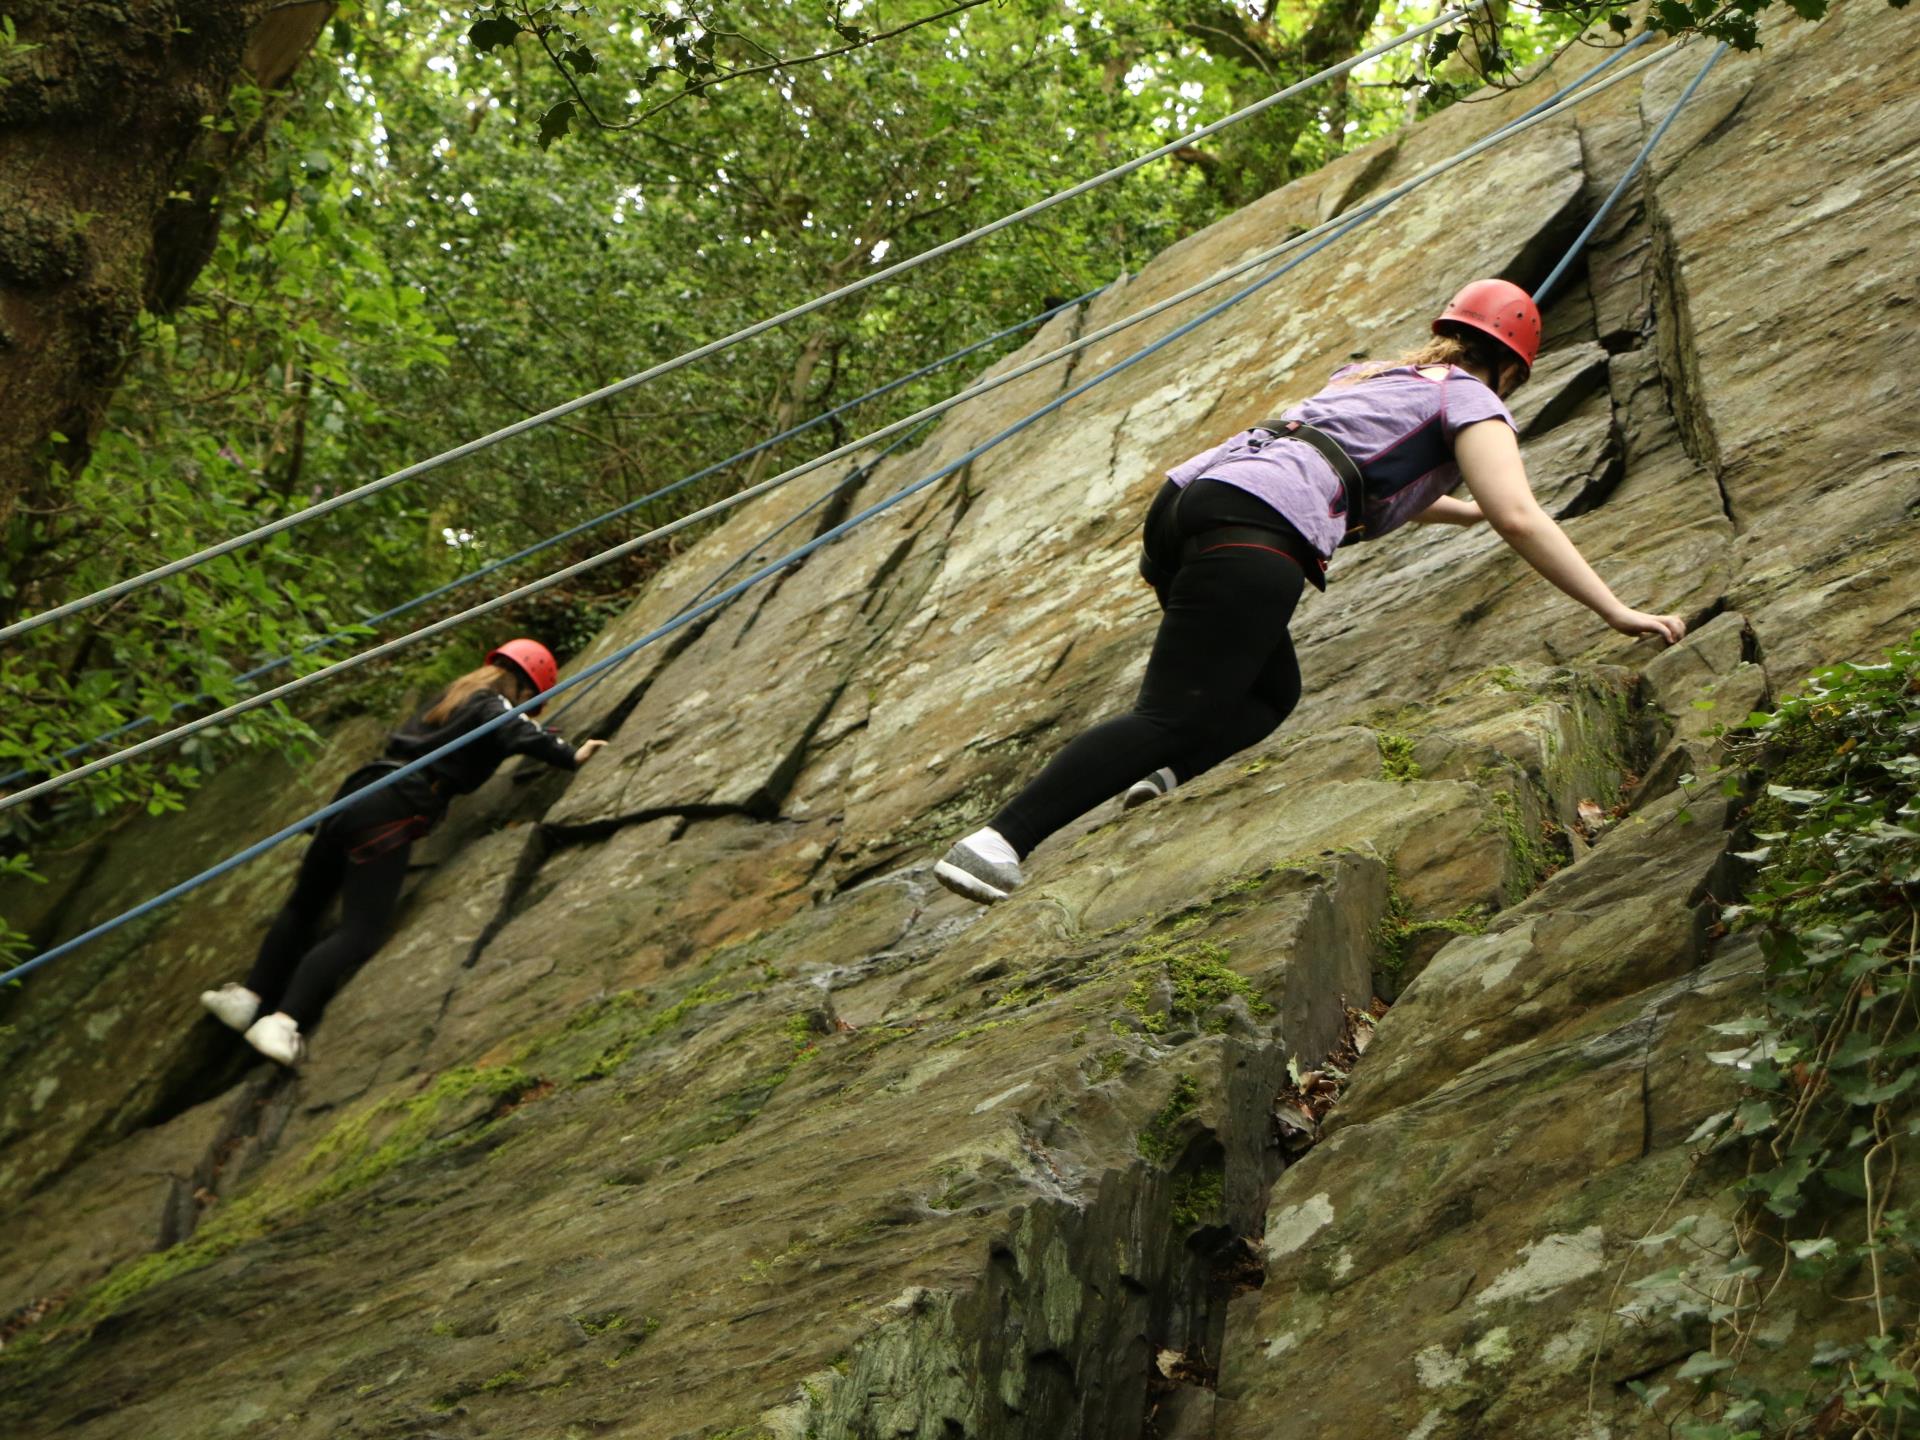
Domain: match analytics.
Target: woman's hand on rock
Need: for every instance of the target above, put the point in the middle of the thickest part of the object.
(588, 749)
(1670, 628)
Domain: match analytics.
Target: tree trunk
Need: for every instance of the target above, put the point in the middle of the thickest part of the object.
(115, 135)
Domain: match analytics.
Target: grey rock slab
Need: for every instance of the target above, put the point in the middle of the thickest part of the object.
(99, 1045)
(137, 1197)
(1796, 380)
(1623, 918)
(726, 722)
(619, 915)
(1466, 1252)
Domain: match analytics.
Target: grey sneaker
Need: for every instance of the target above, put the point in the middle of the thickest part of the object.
(965, 871)
(1151, 788)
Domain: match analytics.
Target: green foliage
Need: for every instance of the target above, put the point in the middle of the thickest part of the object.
(1399, 929)
(1832, 1061)
(1160, 1138)
(1197, 1198)
(1396, 757)
(1199, 981)
(402, 267)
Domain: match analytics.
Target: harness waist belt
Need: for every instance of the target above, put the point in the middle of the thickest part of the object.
(1351, 480)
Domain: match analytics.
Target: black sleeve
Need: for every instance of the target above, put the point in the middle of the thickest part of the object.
(521, 736)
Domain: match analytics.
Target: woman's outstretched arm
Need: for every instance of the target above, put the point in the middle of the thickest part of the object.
(1449, 511)
(1489, 456)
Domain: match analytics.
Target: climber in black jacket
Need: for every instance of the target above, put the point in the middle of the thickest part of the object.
(360, 853)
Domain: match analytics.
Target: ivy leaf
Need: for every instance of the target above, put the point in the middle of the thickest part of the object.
(492, 33)
(554, 123)
(1701, 1364)
(582, 60)
(1673, 15)
(1878, 1094)
(1620, 24)
(852, 34)
(1789, 796)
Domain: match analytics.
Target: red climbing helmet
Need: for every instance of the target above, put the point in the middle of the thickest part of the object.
(531, 659)
(1498, 308)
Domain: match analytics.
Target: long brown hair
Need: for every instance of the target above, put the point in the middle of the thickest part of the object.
(487, 677)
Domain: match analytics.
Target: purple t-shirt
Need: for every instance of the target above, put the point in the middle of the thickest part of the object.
(1397, 425)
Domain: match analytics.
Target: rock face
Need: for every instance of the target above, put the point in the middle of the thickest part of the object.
(682, 1105)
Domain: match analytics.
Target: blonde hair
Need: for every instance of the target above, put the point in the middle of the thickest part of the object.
(1449, 349)
(487, 677)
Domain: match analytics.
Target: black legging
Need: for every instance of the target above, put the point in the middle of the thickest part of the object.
(293, 973)
(1222, 675)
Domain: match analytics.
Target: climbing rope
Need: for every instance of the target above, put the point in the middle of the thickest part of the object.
(1580, 242)
(620, 387)
(853, 477)
(247, 677)
(1550, 108)
(860, 473)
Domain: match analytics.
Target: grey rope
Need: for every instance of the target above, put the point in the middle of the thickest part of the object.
(534, 587)
(471, 447)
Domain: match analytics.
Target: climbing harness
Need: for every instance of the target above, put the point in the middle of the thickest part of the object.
(619, 387)
(1339, 227)
(1316, 238)
(1352, 482)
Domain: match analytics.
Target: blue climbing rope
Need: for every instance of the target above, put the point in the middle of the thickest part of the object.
(760, 327)
(1548, 285)
(259, 671)
(688, 615)
(853, 477)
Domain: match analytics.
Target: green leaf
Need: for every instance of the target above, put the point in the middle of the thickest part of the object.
(582, 60)
(492, 33)
(1701, 1364)
(1789, 796)
(554, 123)
(1879, 1094)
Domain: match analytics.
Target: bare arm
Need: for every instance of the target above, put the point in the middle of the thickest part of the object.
(1448, 511)
(1489, 457)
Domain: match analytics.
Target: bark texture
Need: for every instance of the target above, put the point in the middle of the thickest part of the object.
(112, 155)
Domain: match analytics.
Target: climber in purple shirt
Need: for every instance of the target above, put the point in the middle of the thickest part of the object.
(1237, 532)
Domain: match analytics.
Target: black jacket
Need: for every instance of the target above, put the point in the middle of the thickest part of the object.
(472, 765)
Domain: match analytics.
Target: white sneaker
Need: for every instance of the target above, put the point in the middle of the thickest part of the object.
(277, 1036)
(1152, 788)
(982, 867)
(234, 1006)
